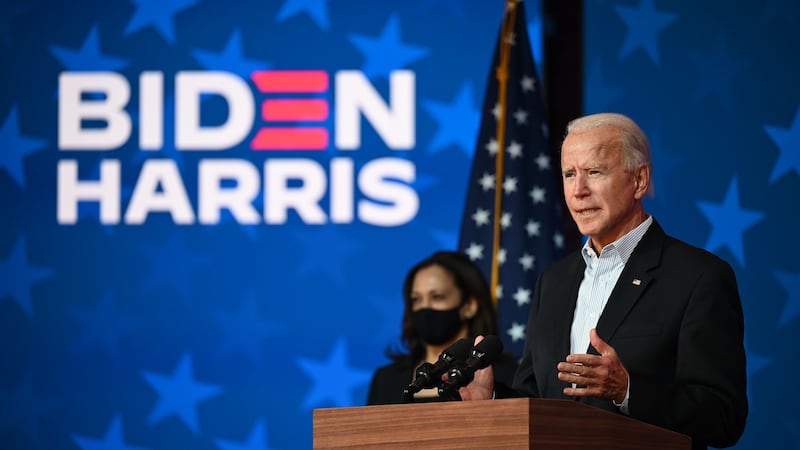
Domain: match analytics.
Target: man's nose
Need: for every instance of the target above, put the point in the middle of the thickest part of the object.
(580, 186)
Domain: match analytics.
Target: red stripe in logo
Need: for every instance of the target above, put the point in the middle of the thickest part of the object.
(276, 138)
(298, 110)
(283, 109)
(293, 81)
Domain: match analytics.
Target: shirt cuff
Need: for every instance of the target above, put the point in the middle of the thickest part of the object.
(623, 406)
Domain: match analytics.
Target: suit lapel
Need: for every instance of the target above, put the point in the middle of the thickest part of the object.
(568, 291)
(632, 283)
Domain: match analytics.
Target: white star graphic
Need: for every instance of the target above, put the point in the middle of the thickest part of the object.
(505, 220)
(537, 194)
(521, 116)
(481, 217)
(558, 239)
(514, 149)
(527, 262)
(475, 251)
(487, 182)
(528, 83)
(501, 257)
(522, 296)
(496, 111)
(492, 147)
(498, 292)
(517, 332)
(533, 228)
(510, 185)
(543, 161)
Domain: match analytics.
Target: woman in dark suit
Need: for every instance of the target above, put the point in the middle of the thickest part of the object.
(446, 298)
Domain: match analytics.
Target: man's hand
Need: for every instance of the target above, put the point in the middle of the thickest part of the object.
(601, 376)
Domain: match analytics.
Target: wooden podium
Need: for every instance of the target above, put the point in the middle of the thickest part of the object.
(519, 423)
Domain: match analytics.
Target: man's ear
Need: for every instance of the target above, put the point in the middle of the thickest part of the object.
(641, 181)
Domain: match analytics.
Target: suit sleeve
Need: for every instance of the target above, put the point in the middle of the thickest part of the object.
(707, 396)
(525, 379)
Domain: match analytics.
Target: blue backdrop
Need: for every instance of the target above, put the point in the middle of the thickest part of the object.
(160, 325)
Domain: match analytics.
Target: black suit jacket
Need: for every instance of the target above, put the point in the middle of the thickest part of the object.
(675, 320)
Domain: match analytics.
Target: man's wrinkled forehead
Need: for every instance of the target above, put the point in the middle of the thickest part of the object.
(602, 143)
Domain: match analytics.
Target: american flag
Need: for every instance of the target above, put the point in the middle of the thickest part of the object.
(512, 220)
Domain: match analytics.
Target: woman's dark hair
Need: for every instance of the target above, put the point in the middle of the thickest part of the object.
(470, 281)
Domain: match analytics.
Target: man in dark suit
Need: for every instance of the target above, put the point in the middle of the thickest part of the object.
(651, 327)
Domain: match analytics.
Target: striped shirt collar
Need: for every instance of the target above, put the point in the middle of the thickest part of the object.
(623, 246)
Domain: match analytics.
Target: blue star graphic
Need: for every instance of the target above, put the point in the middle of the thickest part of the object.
(332, 261)
(387, 52)
(666, 162)
(788, 142)
(111, 441)
(789, 281)
(17, 277)
(102, 327)
(446, 238)
(755, 363)
(158, 13)
(605, 95)
(716, 71)
(173, 264)
(245, 330)
(256, 440)
(22, 408)
(458, 121)
(88, 57)
(425, 182)
(231, 58)
(728, 222)
(644, 24)
(179, 394)
(387, 323)
(316, 9)
(333, 380)
(14, 147)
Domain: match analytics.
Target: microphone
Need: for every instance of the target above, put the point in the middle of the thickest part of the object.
(462, 372)
(429, 375)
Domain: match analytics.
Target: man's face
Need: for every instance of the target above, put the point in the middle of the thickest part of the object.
(601, 194)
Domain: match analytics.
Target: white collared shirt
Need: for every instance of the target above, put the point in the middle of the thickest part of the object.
(599, 278)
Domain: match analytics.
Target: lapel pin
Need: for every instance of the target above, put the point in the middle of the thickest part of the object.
(637, 282)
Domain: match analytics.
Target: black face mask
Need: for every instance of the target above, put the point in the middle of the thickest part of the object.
(435, 326)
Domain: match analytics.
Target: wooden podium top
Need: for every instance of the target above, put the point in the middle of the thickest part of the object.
(519, 423)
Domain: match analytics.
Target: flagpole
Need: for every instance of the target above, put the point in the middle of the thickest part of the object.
(502, 92)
